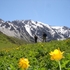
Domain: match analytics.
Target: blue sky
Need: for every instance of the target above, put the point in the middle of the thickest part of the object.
(52, 12)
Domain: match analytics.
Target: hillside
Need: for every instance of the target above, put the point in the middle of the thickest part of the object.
(9, 42)
(38, 56)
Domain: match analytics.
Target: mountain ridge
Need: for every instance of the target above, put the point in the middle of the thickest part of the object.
(26, 29)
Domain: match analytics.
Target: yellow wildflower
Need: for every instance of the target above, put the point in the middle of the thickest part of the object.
(17, 48)
(23, 63)
(7, 50)
(56, 54)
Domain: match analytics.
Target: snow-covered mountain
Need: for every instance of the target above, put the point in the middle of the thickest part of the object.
(26, 29)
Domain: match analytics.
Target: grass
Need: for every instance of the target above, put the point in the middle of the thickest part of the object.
(7, 42)
(37, 54)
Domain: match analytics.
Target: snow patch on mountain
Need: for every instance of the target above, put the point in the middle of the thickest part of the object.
(27, 27)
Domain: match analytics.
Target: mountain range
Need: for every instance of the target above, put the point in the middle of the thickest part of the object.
(26, 29)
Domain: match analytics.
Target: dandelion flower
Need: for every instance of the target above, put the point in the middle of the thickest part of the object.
(56, 54)
(23, 63)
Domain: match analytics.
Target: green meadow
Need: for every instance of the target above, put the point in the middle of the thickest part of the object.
(12, 49)
(7, 42)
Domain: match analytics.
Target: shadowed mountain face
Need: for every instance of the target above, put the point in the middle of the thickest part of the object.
(26, 29)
